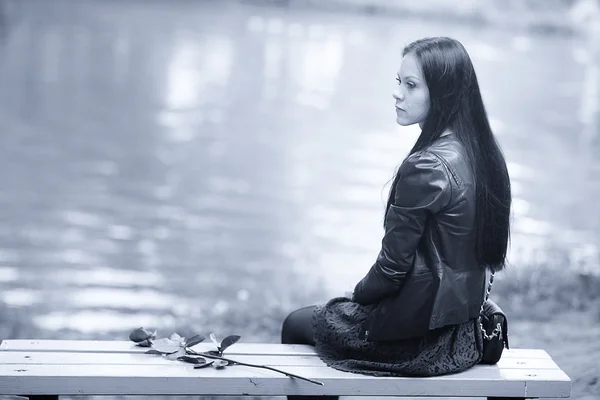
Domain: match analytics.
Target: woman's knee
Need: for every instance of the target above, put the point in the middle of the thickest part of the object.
(297, 327)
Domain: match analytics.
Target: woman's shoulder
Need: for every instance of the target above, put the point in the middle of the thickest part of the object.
(422, 158)
(453, 156)
(421, 167)
(423, 181)
(429, 160)
(448, 148)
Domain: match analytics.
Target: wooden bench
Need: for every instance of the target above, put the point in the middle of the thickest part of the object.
(46, 369)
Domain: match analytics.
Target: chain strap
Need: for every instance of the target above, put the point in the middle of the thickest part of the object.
(498, 327)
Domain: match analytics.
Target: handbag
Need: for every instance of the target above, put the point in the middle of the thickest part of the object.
(494, 328)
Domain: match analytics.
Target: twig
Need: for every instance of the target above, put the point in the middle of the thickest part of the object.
(255, 366)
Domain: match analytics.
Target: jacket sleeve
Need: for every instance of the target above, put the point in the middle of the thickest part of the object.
(423, 188)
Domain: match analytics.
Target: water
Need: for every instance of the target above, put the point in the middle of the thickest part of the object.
(179, 161)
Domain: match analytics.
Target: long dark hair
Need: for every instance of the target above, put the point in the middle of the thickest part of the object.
(456, 104)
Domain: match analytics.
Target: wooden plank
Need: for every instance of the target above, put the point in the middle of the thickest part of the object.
(129, 347)
(527, 363)
(94, 346)
(184, 380)
(71, 358)
(182, 369)
(525, 353)
(133, 359)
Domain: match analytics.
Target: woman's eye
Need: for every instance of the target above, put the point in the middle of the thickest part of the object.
(409, 84)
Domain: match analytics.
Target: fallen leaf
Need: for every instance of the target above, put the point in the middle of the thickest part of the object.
(228, 341)
(167, 345)
(176, 355)
(192, 360)
(215, 341)
(177, 338)
(220, 364)
(208, 364)
(194, 340)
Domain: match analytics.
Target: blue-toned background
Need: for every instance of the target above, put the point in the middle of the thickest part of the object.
(207, 166)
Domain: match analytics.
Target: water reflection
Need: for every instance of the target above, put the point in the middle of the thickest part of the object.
(97, 322)
(21, 297)
(107, 277)
(8, 274)
(183, 164)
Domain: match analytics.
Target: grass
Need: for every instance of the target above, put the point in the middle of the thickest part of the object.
(549, 306)
(552, 307)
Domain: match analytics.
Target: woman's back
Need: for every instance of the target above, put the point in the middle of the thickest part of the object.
(443, 281)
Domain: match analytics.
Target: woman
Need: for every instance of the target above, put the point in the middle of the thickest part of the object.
(446, 223)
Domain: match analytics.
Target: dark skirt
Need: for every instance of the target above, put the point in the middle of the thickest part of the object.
(446, 350)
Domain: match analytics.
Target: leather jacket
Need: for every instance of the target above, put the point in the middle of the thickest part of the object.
(426, 275)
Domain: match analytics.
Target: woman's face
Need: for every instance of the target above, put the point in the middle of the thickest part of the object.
(411, 94)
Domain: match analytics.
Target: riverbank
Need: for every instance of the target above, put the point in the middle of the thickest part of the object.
(557, 311)
(544, 17)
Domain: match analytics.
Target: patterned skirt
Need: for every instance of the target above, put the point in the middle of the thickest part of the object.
(446, 350)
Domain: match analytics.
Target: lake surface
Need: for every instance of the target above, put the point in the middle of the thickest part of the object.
(171, 161)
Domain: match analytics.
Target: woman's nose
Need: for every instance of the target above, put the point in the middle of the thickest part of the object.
(398, 95)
